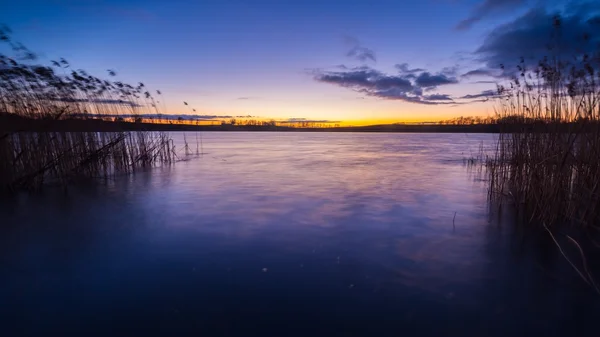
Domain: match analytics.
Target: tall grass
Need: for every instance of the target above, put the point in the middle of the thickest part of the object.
(57, 92)
(547, 159)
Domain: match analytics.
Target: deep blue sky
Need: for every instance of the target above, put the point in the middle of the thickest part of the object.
(283, 58)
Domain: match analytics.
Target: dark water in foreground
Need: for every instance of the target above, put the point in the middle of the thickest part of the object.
(285, 235)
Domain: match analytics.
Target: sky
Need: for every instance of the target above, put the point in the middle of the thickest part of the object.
(339, 60)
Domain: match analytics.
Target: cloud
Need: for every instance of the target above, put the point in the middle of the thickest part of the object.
(450, 71)
(438, 97)
(355, 77)
(488, 8)
(362, 54)
(406, 87)
(483, 94)
(405, 69)
(351, 40)
(427, 80)
(480, 72)
(534, 36)
(358, 51)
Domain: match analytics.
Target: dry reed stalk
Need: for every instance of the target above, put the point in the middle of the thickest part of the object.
(547, 158)
(42, 93)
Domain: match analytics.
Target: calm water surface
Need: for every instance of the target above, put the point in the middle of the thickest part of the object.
(284, 234)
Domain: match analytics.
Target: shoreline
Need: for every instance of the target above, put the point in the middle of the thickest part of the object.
(19, 124)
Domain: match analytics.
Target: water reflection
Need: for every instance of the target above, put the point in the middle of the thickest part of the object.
(355, 232)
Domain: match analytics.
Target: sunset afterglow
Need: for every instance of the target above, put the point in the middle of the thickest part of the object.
(357, 62)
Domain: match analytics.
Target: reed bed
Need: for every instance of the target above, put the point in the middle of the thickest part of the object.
(546, 163)
(547, 159)
(28, 160)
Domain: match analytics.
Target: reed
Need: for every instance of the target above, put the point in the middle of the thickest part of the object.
(28, 160)
(546, 163)
(545, 167)
(547, 159)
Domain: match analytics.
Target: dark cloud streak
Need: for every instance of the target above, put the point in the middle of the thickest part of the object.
(358, 51)
(438, 97)
(488, 8)
(483, 94)
(479, 72)
(362, 54)
(427, 80)
(405, 69)
(408, 86)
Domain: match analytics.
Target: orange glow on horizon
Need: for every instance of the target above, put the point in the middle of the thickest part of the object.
(249, 121)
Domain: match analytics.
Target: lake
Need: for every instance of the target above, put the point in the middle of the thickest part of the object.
(285, 234)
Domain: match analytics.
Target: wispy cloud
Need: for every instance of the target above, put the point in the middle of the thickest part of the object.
(438, 97)
(362, 54)
(480, 72)
(487, 8)
(247, 98)
(404, 69)
(483, 94)
(450, 71)
(358, 51)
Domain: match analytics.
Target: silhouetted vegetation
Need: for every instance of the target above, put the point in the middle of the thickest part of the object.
(49, 95)
(14, 123)
(547, 160)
